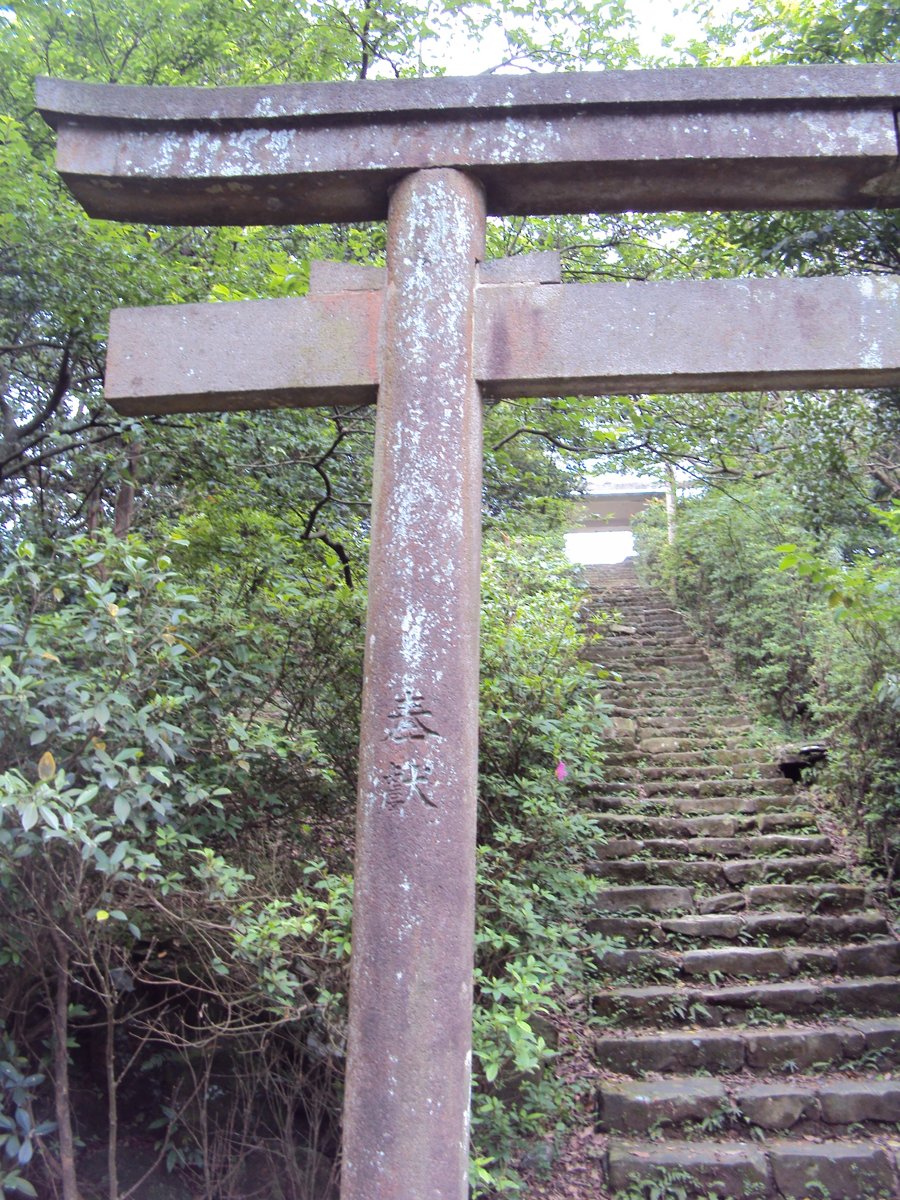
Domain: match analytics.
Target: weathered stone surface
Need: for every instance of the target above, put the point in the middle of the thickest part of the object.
(791, 998)
(737, 960)
(788, 869)
(623, 727)
(881, 1035)
(703, 926)
(632, 929)
(809, 960)
(850, 1102)
(835, 1170)
(773, 821)
(879, 958)
(843, 927)
(797, 1049)
(640, 1003)
(659, 871)
(775, 924)
(623, 962)
(776, 1106)
(671, 1051)
(660, 745)
(619, 848)
(865, 996)
(738, 1170)
(640, 1107)
(824, 897)
(644, 899)
(724, 902)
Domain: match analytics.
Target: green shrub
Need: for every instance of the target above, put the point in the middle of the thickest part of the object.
(177, 748)
(812, 626)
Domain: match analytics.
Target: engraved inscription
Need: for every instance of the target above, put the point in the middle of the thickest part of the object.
(410, 719)
(411, 778)
(408, 781)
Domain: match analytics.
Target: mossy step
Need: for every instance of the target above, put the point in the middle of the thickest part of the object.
(720, 873)
(660, 768)
(635, 785)
(773, 928)
(737, 756)
(809, 897)
(875, 958)
(822, 899)
(667, 695)
(712, 825)
(648, 1106)
(638, 645)
(698, 805)
(787, 1049)
(733, 762)
(674, 679)
(671, 789)
(731, 1004)
(748, 1171)
(718, 787)
(682, 648)
(747, 846)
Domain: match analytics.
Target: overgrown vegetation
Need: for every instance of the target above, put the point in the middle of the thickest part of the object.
(175, 855)
(810, 618)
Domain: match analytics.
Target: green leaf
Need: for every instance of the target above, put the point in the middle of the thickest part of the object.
(122, 809)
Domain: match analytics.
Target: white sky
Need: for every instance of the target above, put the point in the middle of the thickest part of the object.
(655, 19)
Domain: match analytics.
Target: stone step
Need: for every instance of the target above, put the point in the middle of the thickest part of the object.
(876, 958)
(696, 747)
(807, 897)
(699, 805)
(648, 1106)
(668, 698)
(819, 899)
(772, 928)
(657, 769)
(639, 646)
(747, 1171)
(648, 899)
(718, 787)
(788, 1049)
(725, 1005)
(625, 763)
(720, 873)
(669, 680)
(713, 825)
(758, 966)
(670, 789)
(651, 659)
(749, 846)
(737, 756)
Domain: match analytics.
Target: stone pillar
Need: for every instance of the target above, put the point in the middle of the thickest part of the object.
(406, 1111)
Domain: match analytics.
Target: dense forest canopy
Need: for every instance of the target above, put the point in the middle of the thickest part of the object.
(182, 601)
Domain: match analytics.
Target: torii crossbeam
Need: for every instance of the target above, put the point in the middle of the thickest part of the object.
(428, 337)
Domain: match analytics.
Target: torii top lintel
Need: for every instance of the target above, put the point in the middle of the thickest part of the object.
(684, 138)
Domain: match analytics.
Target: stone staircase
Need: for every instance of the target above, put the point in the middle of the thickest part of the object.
(749, 1026)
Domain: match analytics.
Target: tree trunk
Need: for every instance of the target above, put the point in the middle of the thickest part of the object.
(60, 1017)
(125, 498)
(112, 1097)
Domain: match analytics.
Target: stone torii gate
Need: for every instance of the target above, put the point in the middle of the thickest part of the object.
(428, 337)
